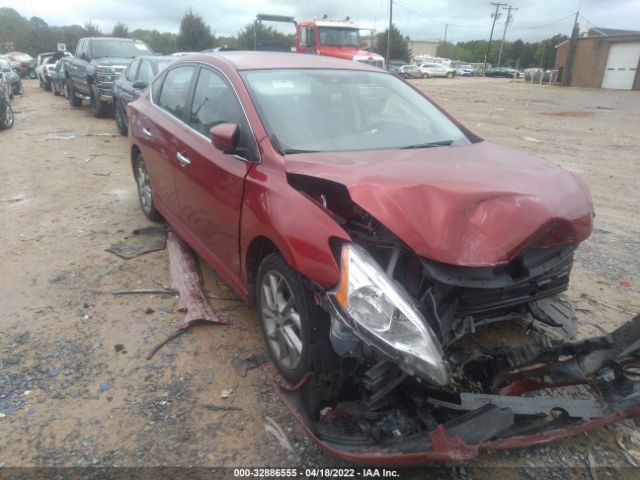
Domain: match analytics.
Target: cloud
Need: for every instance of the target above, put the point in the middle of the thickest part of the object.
(467, 19)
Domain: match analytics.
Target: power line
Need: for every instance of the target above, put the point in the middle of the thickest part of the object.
(433, 19)
(547, 24)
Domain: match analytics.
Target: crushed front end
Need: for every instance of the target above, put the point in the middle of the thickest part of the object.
(402, 380)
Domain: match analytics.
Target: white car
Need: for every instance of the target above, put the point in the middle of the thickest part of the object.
(46, 65)
(464, 70)
(436, 70)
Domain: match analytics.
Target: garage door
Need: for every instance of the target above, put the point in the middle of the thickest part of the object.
(621, 66)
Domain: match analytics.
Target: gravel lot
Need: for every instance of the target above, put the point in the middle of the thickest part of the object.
(75, 386)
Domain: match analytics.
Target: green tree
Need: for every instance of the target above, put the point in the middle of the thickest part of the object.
(446, 50)
(160, 42)
(195, 35)
(92, 29)
(268, 38)
(399, 45)
(120, 30)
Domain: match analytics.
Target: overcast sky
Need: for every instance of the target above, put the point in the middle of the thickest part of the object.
(420, 19)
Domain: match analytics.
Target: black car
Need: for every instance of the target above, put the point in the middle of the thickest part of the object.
(6, 113)
(501, 72)
(132, 82)
(12, 77)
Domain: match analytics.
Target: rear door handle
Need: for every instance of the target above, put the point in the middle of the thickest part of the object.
(146, 132)
(183, 159)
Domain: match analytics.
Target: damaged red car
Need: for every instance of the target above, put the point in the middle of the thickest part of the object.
(376, 235)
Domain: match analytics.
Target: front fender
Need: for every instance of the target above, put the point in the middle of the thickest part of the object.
(300, 229)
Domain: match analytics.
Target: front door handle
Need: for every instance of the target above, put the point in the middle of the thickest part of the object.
(146, 132)
(183, 159)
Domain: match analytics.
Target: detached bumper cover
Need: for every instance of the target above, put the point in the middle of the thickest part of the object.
(495, 404)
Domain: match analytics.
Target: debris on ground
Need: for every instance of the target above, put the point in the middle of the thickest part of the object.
(141, 241)
(276, 430)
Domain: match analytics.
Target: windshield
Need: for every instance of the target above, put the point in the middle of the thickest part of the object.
(342, 110)
(339, 36)
(119, 48)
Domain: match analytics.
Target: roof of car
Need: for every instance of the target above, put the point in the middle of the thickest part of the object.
(248, 60)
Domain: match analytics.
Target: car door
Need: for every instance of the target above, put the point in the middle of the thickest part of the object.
(210, 183)
(160, 128)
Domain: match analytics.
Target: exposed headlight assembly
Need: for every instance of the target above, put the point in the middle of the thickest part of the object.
(383, 316)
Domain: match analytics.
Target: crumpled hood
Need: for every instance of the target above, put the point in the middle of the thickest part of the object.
(474, 205)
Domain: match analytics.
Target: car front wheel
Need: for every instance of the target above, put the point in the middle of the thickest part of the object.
(285, 309)
(6, 117)
(98, 107)
(145, 191)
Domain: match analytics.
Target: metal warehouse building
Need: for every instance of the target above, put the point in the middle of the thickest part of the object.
(604, 58)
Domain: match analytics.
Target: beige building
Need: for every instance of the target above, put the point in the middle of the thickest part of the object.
(604, 58)
(424, 47)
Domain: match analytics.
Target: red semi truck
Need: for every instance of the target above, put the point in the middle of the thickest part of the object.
(321, 36)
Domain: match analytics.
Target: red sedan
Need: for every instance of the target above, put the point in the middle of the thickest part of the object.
(375, 234)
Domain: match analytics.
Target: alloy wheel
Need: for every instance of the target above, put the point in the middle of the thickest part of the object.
(144, 187)
(281, 320)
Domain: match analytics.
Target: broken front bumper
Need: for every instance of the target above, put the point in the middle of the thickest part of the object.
(503, 398)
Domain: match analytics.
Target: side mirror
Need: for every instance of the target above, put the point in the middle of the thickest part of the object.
(139, 85)
(225, 136)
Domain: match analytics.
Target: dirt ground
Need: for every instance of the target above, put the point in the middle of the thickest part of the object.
(76, 388)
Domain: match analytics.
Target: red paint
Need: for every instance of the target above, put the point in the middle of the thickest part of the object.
(225, 136)
(475, 205)
(345, 52)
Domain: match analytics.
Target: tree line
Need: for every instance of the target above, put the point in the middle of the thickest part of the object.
(34, 35)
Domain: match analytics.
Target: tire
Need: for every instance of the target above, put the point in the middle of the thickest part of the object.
(424, 75)
(71, 95)
(41, 83)
(98, 107)
(121, 117)
(145, 191)
(19, 90)
(7, 118)
(286, 311)
(449, 75)
(47, 86)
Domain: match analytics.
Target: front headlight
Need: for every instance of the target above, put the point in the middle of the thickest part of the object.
(383, 315)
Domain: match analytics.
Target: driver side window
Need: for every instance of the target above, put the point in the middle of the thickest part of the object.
(215, 102)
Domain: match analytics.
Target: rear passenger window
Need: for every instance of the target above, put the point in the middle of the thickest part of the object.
(175, 87)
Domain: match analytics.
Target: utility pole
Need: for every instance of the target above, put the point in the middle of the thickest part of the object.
(504, 33)
(573, 43)
(388, 59)
(495, 16)
(444, 43)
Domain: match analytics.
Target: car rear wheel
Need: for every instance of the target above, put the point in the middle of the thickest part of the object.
(285, 309)
(449, 75)
(120, 115)
(145, 191)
